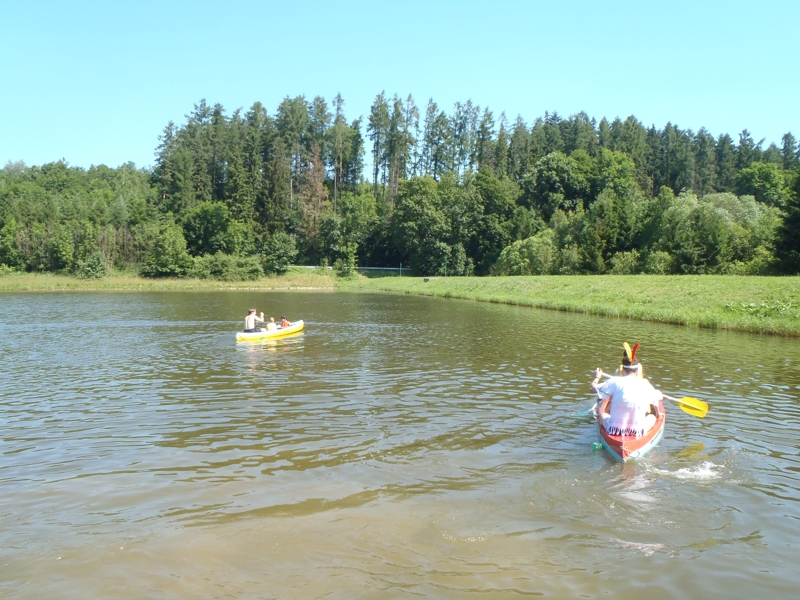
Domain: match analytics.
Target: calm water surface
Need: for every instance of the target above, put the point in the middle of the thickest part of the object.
(401, 447)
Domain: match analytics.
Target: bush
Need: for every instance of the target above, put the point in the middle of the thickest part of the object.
(94, 267)
(347, 263)
(762, 263)
(625, 263)
(279, 252)
(227, 267)
(568, 261)
(533, 256)
(168, 256)
(10, 255)
(658, 263)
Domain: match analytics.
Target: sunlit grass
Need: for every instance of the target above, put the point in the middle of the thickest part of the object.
(756, 304)
(295, 279)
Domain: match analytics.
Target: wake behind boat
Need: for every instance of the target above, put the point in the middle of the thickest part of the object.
(280, 332)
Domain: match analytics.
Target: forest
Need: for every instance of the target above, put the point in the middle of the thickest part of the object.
(458, 192)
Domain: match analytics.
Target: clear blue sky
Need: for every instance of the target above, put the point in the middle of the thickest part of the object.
(96, 82)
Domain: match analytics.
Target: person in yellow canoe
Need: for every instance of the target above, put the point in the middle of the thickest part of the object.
(250, 321)
(271, 326)
(285, 322)
(634, 400)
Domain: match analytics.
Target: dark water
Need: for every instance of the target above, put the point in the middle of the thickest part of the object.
(401, 447)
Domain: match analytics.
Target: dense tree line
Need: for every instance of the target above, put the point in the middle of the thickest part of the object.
(457, 192)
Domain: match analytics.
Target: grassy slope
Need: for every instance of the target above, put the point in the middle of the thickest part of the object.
(295, 279)
(757, 304)
(771, 304)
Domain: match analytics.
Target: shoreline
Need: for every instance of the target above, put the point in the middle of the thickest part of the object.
(36, 282)
(763, 305)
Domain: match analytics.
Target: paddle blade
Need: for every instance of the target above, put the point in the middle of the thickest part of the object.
(693, 406)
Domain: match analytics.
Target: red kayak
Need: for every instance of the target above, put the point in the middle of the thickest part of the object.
(624, 447)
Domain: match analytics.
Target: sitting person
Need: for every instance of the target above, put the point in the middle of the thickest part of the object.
(633, 399)
(271, 326)
(250, 321)
(285, 323)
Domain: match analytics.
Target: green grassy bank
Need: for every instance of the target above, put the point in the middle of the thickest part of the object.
(36, 282)
(755, 304)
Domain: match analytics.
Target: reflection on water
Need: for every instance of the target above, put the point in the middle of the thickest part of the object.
(398, 446)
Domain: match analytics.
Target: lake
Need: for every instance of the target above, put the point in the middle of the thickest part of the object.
(402, 446)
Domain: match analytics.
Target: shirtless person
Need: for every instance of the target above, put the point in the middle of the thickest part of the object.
(250, 321)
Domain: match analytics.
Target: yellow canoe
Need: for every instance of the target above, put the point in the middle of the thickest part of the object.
(280, 332)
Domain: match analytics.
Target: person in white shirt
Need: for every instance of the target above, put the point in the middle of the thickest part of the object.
(271, 326)
(634, 400)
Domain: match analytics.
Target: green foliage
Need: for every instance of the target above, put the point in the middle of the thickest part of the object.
(556, 183)
(168, 256)
(226, 267)
(534, 256)
(342, 234)
(279, 252)
(10, 255)
(765, 181)
(787, 244)
(658, 262)
(707, 235)
(581, 248)
(205, 228)
(766, 309)
(449, 191)
(625, 263)
(617, 217)
(94, 267)
(420, 226)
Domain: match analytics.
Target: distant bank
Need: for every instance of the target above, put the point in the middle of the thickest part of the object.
(752, 304)
(45, 282)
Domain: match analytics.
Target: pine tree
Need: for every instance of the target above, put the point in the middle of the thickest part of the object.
(580, 134)
(604, 134)
(338, 142)
(292, 122)
(789, 151)
(519, 150)
(377, 131)
(747, 152)
(501, 148)
(705, 161)
(725, 152)
(483, 141)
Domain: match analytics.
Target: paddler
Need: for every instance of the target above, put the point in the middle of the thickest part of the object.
(633, 407)
(250, 321)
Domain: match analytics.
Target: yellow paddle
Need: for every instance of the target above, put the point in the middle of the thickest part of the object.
(693, 406)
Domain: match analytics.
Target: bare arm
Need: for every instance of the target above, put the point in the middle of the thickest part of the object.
(598, 374)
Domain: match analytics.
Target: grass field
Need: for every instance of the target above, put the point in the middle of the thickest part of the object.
(35, 282)
(755, 304)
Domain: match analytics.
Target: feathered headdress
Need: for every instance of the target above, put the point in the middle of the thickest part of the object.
(631, 352)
